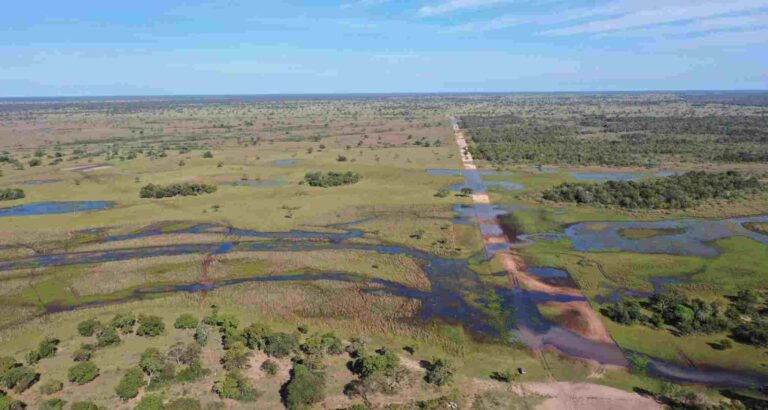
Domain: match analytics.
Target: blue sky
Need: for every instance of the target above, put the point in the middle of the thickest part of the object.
(79, 47)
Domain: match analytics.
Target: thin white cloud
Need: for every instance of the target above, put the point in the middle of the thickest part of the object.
(498, 23)
(740, 23)
(455, 5)
(680, 12)
(364, 3)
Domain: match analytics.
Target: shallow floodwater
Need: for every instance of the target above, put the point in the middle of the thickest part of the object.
(52, 208)
(686, 236)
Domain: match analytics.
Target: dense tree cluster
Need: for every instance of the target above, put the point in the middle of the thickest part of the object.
(179, 189)
(673, 192)
(331, 179)
(746, 317)
(9, 194)
(617, 140)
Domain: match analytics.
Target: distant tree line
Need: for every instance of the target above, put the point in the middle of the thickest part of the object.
(9, 194)
(746, 317)
(179, 189)
(673, 192)
(331, 179)
(617, 140)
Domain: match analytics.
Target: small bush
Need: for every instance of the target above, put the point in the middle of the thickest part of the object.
(185, 321)
(234, 386)
(184, 403)
(180, 189)
(9, 194)
(51, 386)
(107, 337)
(52, 404)
(20, 378)
(82, 373)
(84, 405)
(280, 344)
(269, 367)
(304, 389)
(440, 372)
(150, 326)
(150, 402)
(124, 322)
(88, 328)
(130, 383)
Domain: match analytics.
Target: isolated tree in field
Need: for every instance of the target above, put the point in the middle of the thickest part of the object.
(201, 335)
(123, 322)
(280, 344)
(466, 191)
(304, 389)
(107, 337)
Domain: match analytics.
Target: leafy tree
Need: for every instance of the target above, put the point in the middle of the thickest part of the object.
(152, 362)
(51, 387)
(179, 189)
(10, 194)
(88, 327)
(150, 326)
(304, 389)
(46, 349)
(52, 404)
(331, 179)
(201, 335)
(84, 405)
(107, 337)
(440, 372)
(150, 402)
(193, 372)
(184, 354)
(20, 378)
(280, 344)
(255, 335)
(207, 154)
(185, 321)
(237, 357)
(8, 403)
(124, 322)
(130, 383)
(82, 373)
(234, 385)
(269, 367)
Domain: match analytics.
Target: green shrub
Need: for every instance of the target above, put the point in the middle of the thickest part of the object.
(331, 179)
(192, 373)
(304, 389)
(150, 326)
(185, 321)
(236, 357)
(234, 386)
(9, 194)
(47, 348)
(8, 403)
(184, 403)
(51, 386)
(124, 322)
(20, 378)
(440, 372)
(88, 327)
(82, 373)
(150, 402)
(201, 335)
(130, 383)
(269, 367)
(52, 404)
(107, 337)
(84, 405)
(179, 189)
(255, 335)
(280, 344)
